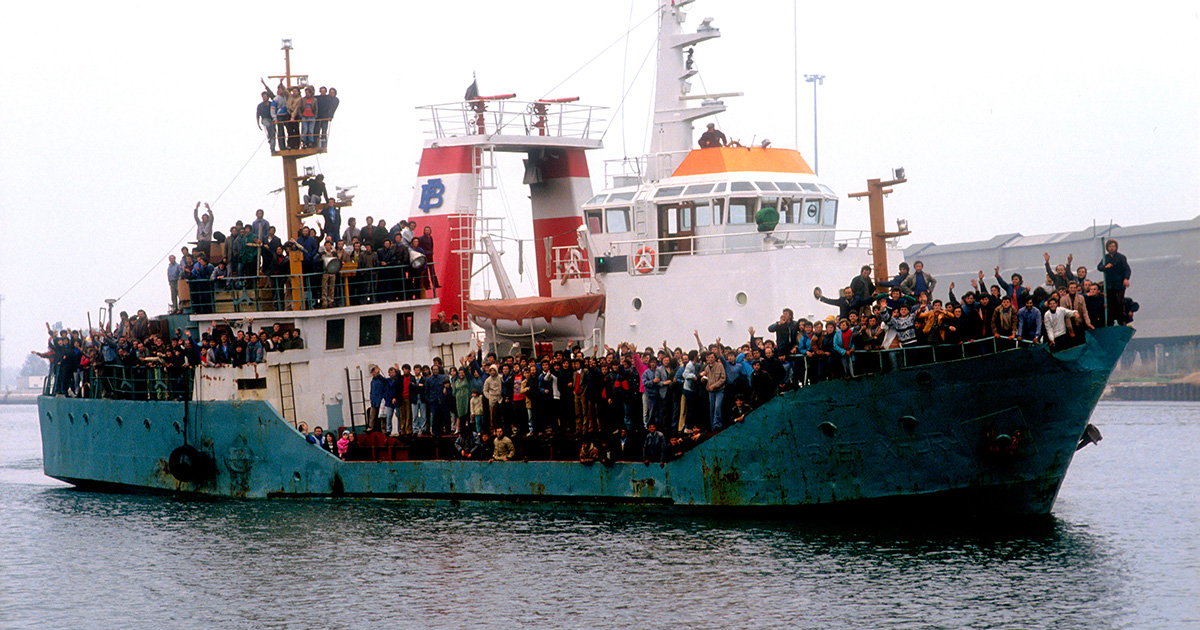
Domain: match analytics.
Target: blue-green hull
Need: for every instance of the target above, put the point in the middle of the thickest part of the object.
(935, 434)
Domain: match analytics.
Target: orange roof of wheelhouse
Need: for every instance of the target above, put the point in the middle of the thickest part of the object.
(735, 159)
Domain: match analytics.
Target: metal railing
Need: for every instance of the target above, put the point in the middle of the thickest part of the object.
(119, 382)
(347, 287)
(905, 357)
(509, 117)
(633, 171)
(747, 239)
(299, 134)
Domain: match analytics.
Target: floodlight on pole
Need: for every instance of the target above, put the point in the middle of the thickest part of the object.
(815, 79)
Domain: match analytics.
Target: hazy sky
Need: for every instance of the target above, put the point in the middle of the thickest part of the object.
(118, 117)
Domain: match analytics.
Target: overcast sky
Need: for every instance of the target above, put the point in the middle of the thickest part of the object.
(1025, 117)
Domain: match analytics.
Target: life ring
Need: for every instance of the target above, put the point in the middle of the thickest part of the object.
(643, 260)
(574, 261)
(188, 464)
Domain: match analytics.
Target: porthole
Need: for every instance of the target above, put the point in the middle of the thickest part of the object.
(637, 304)
(741, 298)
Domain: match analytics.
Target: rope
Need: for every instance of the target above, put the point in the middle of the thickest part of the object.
(190, 228)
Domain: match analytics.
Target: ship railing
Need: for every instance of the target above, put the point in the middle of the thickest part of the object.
(349, 286)
(654, 255)
(569, 262)
(562, 118)
(634, 171)
(289, 137)
(121, 382)
(875, 361)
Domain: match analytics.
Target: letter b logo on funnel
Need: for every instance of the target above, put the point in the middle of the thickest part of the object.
(431, 195)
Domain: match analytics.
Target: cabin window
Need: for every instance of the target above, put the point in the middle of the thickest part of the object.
(741, 187)
(698, 189)
(597, 200)
(404, 326)
(720, 188)
(812, 212)
(670, 191)
(767, 186)
(810, 187)
(788, 186)
(718, 211)
(825, 189)
(617, 220)
(369, 330)
(829, 211)
(335, 334)
(595, 221)
(741, 210)
(252, 383)
(623, 196)
(704, 213)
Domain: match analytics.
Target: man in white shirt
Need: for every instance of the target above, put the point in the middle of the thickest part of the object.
(1055, 321)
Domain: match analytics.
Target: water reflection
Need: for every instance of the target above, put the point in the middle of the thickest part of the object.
(377, 561)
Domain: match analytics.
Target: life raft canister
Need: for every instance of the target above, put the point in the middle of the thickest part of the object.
(643, 260)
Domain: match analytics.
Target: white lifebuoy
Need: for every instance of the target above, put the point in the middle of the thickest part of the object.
(643, 260)
(574, 260)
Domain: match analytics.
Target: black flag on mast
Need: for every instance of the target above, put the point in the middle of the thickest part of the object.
(473, 91)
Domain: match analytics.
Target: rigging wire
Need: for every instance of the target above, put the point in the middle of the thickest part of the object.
(620, 105)
(624, 68)
(597, 56)
(190, 228)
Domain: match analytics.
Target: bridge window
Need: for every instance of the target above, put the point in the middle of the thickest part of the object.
(698, 189)
(369, 330)
(595, 221)
(829, 211)
(720, 188)
(787, 211)
(810, 187)
(617, 220)
(597, 200)
(741, 210)
(812, 211)
(670, 191)
(788, 186)
(335, 334)
(704, 213)
(622, 196)
(767, 186)
(741, 187)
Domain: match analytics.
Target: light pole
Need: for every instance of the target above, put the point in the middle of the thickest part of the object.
(815, 79)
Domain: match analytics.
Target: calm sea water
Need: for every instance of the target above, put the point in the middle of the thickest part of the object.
(1122, 551)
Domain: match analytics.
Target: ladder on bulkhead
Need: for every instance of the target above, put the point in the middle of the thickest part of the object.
(287, 393)
(465, 227)
(356, 397)
(445, 352)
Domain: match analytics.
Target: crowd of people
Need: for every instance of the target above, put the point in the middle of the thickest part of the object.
(137, 358)
(376, 262)
(296, 119)
(652, 404)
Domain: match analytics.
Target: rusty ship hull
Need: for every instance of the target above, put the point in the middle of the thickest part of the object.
(994, 433)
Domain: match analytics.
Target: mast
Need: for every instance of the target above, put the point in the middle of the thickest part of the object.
(293, 206)
(672, 117)
(876, 189)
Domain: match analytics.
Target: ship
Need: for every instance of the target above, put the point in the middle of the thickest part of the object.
(707, 239)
